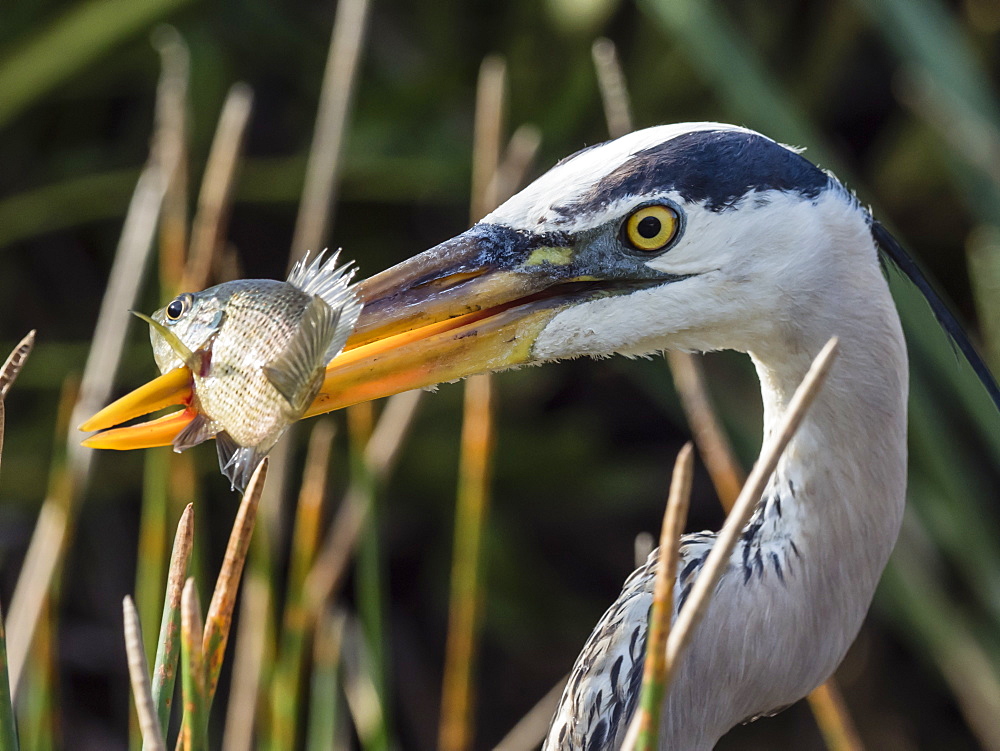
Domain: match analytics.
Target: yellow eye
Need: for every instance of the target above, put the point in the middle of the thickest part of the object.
(651, 228)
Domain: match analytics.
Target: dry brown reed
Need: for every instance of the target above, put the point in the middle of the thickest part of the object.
(48, 541)
(336, 95)
(518, 159)
(717, 560)
(614, 91)
(713, 445)
(138, 671)
(360, 691)
(8, 723)
(220, 609)
(531, 728)
(14, 362)
(171, 136)
(248, 665)
(655, 665)
(215, 198)
(455, 731)
(327, 572)
(286, 683)
(8, 374)
(834, 720)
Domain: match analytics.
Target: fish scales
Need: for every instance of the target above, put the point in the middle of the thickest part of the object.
(257, 350)
(261, 319)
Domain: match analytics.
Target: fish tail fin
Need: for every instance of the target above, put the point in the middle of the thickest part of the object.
(237, 462)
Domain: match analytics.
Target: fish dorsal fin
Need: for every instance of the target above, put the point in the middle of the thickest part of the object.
(321, 277)
(343, 324)
(293, 372)
(237, 462)
(197, 431)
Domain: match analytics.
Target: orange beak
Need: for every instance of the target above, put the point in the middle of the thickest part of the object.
(473, 304)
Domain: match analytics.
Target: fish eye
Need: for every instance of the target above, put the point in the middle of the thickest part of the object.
(651, 228)
(178, 306)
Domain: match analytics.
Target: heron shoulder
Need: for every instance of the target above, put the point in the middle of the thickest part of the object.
(603, 689)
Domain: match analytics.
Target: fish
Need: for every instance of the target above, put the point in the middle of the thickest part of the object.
(257, 350)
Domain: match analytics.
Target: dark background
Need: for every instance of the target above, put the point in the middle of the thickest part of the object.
(584, 448)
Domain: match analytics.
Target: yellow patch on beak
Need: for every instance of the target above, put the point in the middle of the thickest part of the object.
(556, 256)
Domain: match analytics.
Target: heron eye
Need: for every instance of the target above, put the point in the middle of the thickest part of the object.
(178, 307)
(651, 228)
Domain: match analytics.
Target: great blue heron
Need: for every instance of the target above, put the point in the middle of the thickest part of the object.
(696, 237)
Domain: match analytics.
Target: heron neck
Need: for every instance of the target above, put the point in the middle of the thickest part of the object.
(841, 483)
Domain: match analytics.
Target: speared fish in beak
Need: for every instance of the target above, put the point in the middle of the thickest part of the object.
(476, 303)
(248, 358)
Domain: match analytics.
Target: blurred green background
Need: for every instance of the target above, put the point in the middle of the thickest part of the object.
(897, 96)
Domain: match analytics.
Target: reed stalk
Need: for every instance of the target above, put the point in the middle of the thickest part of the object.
(38, 710)
(149, 723)
(327, 573)
(654, 677)
(15, 361)
(194, 726)
(455, 730)
(363, 699)
(216, 195)
(251, 651)
(8, 722)
(529, 731)
(336, 97)
(717, 560)
(370, 581)
(220, 610)
(288, 678)
(48, 542)
(171, 143)
(324, 698)
(151, 563)
(167, 645)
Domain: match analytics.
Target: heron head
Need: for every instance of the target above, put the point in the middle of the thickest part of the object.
(685, 236)
(682, 236)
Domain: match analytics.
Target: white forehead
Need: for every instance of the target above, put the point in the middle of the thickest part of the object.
(533, 207)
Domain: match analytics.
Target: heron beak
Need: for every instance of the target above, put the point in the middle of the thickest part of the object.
(473, 304)
(173, 387)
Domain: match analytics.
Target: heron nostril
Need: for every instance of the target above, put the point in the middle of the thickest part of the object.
(450, 281)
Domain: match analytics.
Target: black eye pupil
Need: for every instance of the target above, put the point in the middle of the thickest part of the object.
(648, 227)
(175, 309)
